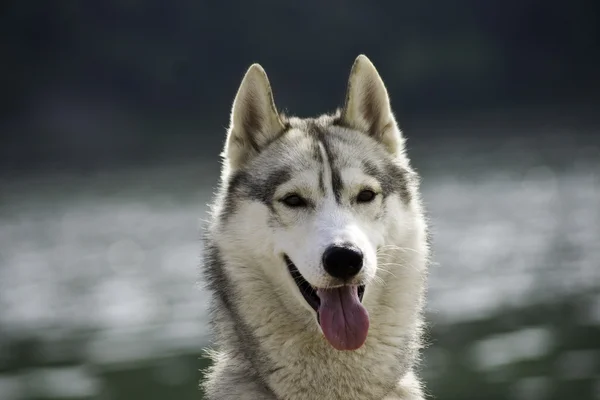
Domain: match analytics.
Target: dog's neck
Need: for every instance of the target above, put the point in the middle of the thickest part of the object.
(287, 350)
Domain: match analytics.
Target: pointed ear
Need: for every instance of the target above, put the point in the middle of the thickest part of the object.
(368, 108)
(254, 119)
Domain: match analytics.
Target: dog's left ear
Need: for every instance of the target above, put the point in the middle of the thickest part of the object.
(254, 119)
(368, 108)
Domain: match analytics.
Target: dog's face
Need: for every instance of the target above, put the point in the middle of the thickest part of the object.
(321, 197)
(327, 218)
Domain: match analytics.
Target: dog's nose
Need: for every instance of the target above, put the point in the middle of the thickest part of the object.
(342, 262)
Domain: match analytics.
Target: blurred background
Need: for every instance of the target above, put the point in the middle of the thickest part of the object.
(112, 117)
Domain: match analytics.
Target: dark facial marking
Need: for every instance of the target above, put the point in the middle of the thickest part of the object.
(399, 179)
(336, 176)
(259, 188)
(263, 189)
(371, 169)
(321, 135)
(319, 158)
(392, 178)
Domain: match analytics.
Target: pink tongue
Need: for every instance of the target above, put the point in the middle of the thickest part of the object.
(343, 319)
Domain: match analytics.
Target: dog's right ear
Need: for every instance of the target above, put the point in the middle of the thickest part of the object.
(254, 119)
(368, 107)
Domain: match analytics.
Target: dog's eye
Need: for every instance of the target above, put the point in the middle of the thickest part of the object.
(294, 201)
(365, 196)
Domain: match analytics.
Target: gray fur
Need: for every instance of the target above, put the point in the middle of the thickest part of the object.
(269, 344)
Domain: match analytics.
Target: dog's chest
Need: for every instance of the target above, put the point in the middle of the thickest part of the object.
(323, 373)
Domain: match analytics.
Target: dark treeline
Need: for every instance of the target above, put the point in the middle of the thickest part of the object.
(155, 60)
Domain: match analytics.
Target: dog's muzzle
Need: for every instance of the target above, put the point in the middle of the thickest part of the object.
(340, 313)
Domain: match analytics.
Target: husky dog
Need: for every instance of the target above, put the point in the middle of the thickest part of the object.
(316, 253)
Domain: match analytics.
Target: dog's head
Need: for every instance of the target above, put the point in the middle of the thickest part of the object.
(318, 200)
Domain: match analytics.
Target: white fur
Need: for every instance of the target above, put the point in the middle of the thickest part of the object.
(299, 363)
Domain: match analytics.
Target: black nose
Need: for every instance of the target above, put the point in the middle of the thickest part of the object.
(342, 262)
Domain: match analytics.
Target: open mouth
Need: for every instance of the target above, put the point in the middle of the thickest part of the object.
(308, 291)
(340, 313)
